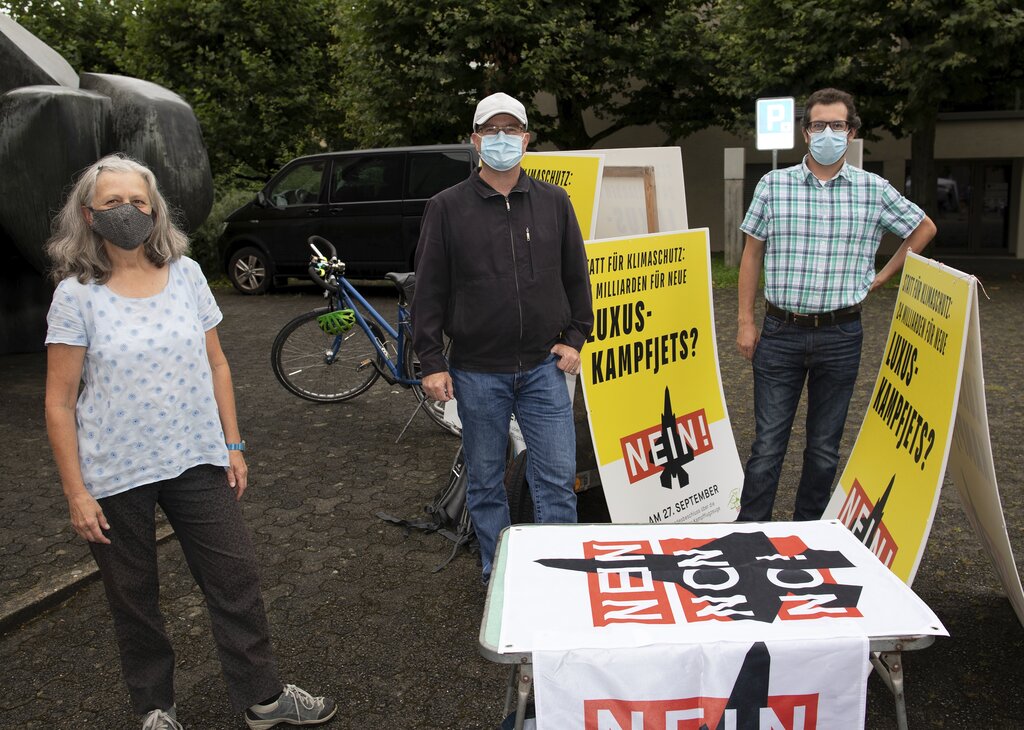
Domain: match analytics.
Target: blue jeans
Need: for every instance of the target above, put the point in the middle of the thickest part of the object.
(827, 359)
(540, 401)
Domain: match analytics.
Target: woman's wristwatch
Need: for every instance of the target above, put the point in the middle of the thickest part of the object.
(240, 446)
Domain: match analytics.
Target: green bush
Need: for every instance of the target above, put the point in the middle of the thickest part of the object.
(204, 240)
(722, 276)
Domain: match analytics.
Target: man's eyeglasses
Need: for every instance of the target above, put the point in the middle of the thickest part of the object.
(839, 125)
(489, 129)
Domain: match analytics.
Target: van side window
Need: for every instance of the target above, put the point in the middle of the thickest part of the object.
(299, 186)
(363, 178)
(432, 172)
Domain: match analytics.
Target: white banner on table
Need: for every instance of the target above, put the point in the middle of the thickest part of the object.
(786, 685)
(609, 586)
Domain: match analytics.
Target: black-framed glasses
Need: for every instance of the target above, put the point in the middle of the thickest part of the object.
(488, 129)
(837, 125)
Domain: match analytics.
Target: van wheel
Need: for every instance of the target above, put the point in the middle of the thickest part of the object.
(250, 271)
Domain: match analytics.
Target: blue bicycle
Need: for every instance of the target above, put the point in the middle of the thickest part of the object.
(336, 352)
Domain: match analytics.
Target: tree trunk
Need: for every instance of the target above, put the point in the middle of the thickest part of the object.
(571, 133)
(923, 180)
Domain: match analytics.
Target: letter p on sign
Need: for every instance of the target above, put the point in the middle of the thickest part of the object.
(775, 124)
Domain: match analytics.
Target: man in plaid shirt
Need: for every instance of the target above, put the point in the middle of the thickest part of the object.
(816, 227)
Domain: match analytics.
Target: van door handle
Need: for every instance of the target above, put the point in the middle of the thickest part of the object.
(312, 212)
(336, 209)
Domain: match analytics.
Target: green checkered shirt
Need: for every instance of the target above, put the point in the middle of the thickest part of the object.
(821, 238)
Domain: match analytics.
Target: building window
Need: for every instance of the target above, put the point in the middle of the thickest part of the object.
(973, 206)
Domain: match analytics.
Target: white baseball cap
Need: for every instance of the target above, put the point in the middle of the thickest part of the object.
(499, 103)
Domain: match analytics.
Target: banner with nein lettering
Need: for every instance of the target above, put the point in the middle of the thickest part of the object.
(818, 684)
(927, 412)
(889, 489)
(610, 586)
(660, 427)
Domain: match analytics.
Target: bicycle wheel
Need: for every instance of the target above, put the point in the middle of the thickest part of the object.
(321, 367)
(517, 491)
(434, 408)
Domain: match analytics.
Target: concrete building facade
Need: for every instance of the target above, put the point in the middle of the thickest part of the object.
(979, 160)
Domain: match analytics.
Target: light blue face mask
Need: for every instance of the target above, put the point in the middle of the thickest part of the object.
(828, 146)
(501, 151)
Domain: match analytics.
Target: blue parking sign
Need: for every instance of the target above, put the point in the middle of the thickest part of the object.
(775, 120)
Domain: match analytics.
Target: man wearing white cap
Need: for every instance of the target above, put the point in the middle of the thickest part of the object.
(500, 269)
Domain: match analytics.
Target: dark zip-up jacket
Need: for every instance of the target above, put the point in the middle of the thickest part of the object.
(505, 278)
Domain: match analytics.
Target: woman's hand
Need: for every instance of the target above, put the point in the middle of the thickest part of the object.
(238, 473)
(224, 394)
(87, 517)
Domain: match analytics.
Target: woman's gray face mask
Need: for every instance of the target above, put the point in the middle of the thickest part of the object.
(125, 226)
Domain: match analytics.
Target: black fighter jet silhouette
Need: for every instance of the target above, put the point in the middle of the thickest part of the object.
(868, 526)
(750, 693)
(752, 595)
(678, 454)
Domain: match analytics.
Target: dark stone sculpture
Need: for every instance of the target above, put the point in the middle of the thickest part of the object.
(53, 124)
(47, 134)
(156, 126)
(27, 61)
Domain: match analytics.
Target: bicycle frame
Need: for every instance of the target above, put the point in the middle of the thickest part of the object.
(348, 297)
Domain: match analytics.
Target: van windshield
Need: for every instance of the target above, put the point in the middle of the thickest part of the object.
(300, 185)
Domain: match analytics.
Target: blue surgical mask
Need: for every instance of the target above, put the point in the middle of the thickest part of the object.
(828, 146)
(501, 151)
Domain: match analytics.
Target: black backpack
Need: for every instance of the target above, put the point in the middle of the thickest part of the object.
(447, 514)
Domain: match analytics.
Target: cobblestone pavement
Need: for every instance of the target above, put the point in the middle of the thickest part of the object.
(355, 609)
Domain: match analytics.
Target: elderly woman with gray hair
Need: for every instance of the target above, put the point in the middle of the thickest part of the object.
(134, 322)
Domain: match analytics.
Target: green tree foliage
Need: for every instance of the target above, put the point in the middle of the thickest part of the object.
(256, 73)
(89, 34)
(904, 61)
(412, 70)
(272, 79)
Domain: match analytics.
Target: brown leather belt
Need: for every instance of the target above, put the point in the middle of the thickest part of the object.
(823, 319)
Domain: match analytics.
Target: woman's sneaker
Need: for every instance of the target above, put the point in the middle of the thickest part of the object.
(161, 720)
(294, 707)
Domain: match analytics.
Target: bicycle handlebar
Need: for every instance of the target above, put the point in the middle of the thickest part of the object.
(314, 241)
(321, 263)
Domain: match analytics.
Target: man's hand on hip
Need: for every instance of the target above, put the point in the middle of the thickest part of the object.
(438, 386)
(568, 358)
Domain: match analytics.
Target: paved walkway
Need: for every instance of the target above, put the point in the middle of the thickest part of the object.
(356, 611)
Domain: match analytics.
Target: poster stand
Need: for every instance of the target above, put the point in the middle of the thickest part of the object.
(645, 174)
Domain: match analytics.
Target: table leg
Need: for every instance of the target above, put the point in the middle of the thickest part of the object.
(510, 689)
(525, 687)
(889, 665)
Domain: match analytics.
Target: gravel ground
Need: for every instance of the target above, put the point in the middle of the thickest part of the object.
(355, 609)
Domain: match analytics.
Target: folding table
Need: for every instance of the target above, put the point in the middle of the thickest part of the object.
(885, 651)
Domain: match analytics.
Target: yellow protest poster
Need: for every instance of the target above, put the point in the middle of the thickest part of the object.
(661, 430)
(889, 490)
(578, 175)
